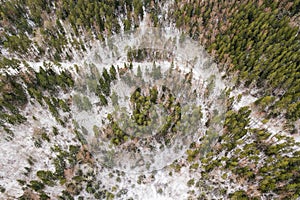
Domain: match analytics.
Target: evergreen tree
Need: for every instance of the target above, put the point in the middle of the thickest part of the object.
(113, 72)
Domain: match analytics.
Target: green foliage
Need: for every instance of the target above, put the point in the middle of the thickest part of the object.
(13, 98)
(265, 101)
(106, 75)
(6, 63)
(259, 43)
(47, 177)
(257, 40)
(127, 25)
(36, 185)
(191, 182)
(142, 107)
(262, 48)
(119, 136)
(113, 72)
(93, 17)
(236, 124)
(51, 81)
(65, 196)
(103, 100)
(2, 189)
(104, 83)
(14, 12)
(44, 196)
(239, 195)
(192, 154)
(20, 43)
(89, 188)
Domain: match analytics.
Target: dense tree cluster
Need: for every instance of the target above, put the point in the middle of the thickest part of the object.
(103, 88)
(254, 39)
(29, 28)
(17, 90)
(142, 106)
(263, 47)
(146, 102)
(274, 165)
(78, 180)
(117, 136)
(13, 98)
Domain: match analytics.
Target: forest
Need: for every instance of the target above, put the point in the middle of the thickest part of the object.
(255, 44)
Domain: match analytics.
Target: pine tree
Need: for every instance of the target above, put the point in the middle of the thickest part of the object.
(113, 72)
